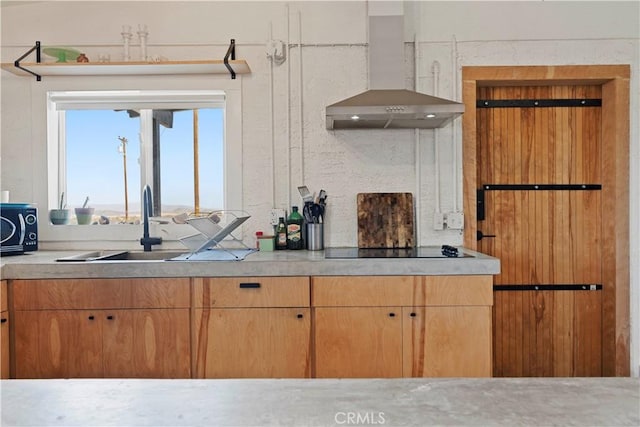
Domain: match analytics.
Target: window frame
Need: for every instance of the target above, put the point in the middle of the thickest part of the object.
(59, 100)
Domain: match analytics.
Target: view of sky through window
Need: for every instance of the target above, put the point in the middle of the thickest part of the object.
(96, 165)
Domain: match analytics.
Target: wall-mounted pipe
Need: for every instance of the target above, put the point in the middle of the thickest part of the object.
(273, 133)
(300, 109)
(454, 130)
(435, 70)
(288, 107)
(417, 153)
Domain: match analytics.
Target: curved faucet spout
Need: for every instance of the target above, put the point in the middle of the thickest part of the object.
(147, 211)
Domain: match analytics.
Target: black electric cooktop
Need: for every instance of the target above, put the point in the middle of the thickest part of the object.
(421, 252)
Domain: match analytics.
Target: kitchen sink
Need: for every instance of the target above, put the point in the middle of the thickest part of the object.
(99, 256)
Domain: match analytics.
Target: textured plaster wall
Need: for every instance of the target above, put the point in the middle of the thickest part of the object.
(283, 105)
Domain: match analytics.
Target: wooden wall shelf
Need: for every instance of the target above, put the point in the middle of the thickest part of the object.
(240, 66)
(229, 65)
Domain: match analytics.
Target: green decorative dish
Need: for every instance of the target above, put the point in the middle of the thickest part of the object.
(63, 54)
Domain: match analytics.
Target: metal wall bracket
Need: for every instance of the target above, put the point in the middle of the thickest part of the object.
(231, 52)
(16, 63)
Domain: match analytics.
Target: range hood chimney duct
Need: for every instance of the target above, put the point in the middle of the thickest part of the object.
(387, 104)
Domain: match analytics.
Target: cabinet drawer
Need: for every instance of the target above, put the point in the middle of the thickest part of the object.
(366, 291)
(3, 295)
(458, 290)
(380, 291)
(251, 292)
(100, 293)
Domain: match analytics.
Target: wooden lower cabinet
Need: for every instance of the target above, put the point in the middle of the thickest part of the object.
(5, 366)
(441, 326)
(253, 343)
(147, 344)
(446, 341)
(4, 333)
(252, 327)
(58, 344)
(102, 343)
(72, 333)
(358, 342)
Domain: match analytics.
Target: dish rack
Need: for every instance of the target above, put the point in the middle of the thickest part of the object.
(213, 229)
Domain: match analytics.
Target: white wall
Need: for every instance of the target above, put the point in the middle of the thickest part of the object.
(332, 65)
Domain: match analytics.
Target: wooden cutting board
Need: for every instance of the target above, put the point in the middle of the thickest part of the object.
(385, 220)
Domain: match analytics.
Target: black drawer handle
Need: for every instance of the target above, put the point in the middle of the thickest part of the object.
(252, 285)
(3, 320)
(392, 315)
(91, 317)
(300, 316)
(413, 314)
(109, 317)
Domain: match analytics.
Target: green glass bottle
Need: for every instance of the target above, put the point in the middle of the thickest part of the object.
(281, 235)
(294, 230)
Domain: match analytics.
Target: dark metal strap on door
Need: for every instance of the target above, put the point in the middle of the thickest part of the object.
(480, 198)
(16, 63)
(543, 187)
(231, 52)
(528, 103)
(550, 287)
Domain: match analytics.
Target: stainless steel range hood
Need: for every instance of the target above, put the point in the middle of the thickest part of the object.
(388, 105)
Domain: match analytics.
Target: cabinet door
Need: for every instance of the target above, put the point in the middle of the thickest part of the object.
(252, 343)
(447, 341)
(358, 342)
(4, 342)
(4, 331)
(146, 343)
(58, 344)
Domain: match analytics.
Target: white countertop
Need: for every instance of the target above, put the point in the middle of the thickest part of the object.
(43, 265)
(316, 402)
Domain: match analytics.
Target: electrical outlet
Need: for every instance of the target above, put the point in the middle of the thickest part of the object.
(276, 214)
(438, 221)
(455, 220)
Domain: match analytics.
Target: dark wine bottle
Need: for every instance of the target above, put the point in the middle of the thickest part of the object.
(294, 230)
(281, 234)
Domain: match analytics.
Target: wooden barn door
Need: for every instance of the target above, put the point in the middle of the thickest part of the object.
(539, 211)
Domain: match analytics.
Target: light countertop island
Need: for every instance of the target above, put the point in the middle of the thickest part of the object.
(392, 402)
(43, 265)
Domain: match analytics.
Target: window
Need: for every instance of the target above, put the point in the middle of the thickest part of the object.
(106, 145)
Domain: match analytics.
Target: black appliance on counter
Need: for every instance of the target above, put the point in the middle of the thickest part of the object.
(445, 251)
(18, 228)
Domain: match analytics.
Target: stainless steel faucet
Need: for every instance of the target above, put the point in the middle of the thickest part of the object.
(147, 211)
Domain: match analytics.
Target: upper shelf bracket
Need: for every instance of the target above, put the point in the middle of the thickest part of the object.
(231, 51)
(38, 60)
